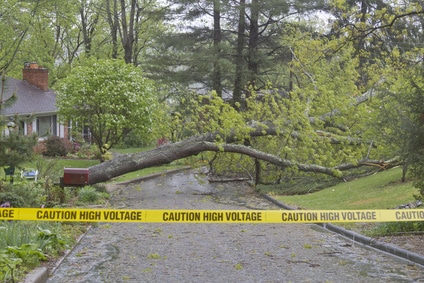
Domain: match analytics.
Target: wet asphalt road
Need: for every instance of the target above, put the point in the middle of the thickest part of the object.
(162, 252)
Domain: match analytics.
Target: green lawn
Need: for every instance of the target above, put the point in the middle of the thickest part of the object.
(379, 191)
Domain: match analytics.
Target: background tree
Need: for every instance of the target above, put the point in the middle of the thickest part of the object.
(132, 25)
(400, 119)
(227, 46)
(413, 152)
(16, 29)
(15, 148)
(388, 40)
(111, 97)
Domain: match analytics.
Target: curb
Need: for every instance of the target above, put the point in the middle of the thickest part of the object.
(38, 275)
(382, 246)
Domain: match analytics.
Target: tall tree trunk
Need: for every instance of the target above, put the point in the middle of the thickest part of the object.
(128, 30)
(89, 22)
(404, 171)
(257, 171)
(253, 60)
(137, 42)
(360, 46)
(85, 33)
(112, 18)
(216, 80)
(238, 82)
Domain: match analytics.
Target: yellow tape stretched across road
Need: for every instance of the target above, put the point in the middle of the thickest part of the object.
(211, 216)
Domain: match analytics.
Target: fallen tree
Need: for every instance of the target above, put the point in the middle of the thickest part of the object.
(190, 147)
(231, 143)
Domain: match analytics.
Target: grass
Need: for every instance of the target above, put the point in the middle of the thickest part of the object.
(379, 191)
(59, 164)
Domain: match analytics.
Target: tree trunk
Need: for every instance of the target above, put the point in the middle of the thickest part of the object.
(253, 61)
(128, 30)
(216, 77)
(86, 36)
(238, 82)
(404, 171)
(257, 171)
(112, 18)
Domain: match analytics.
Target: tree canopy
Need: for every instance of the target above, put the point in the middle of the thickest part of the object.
(110, 97)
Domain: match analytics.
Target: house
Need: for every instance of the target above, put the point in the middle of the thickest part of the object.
(35, 106)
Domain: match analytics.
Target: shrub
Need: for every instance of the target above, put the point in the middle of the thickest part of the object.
(88, 151)
(23, 194)
(14, 199)
(88, 194)
(56, 146)
(56, 195)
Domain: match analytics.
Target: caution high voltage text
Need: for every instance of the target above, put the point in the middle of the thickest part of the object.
(211, 216)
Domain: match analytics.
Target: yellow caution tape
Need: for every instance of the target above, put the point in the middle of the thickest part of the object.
(211, 216)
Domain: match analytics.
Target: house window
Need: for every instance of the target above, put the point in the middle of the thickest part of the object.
(86, 134)
(46, 126)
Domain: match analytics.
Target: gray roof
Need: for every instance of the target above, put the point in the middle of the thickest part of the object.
(31, 99)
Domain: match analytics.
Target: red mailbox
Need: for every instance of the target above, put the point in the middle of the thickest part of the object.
(75, 177)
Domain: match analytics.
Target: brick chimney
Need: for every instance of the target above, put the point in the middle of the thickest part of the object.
(36, 75)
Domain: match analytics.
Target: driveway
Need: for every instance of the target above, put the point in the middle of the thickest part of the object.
(172, 252)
